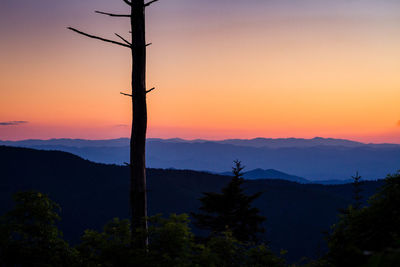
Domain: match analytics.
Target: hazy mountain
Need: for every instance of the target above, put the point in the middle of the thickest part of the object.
(316, 159)
(91, 194)
(269, 174)
(273, 174)
(256, 142)
(291, 142)
(65, 142)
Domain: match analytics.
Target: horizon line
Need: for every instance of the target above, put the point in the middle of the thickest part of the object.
(202, 139)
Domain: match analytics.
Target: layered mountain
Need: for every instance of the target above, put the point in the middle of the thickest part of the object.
(256, 142)
(91, 194)
(317, 159)
(269, 174)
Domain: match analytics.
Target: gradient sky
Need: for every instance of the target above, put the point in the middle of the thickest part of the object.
(222, 68)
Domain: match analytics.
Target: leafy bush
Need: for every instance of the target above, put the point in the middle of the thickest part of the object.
(362, 236)
(29, 235)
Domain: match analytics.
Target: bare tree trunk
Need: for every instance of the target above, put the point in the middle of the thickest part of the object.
(139, 124)
(138, 198)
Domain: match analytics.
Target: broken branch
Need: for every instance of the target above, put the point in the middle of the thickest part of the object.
(127, 2)
(98, 38)
(125, 94)
(149, 3)
(113, 15)
(148, 91)
(123, 39)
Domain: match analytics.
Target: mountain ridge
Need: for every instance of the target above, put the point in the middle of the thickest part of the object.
(269, 174)
(314, 163)
(91, 194)
(254, 142)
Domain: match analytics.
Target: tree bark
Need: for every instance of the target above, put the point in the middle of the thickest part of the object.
(138, 196)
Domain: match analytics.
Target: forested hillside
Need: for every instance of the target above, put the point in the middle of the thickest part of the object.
(312, 159)
(91, 194)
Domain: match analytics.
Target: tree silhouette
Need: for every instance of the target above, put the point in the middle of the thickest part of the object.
(231, 210)
(357, 196)
(371, 231)
(29, 235)
(138, 199)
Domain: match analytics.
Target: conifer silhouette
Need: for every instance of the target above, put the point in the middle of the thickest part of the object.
(357, 190)
(231, 210)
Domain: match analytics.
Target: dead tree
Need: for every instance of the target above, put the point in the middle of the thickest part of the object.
(138, 198)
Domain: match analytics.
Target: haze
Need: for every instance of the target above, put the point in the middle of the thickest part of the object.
(222, 69)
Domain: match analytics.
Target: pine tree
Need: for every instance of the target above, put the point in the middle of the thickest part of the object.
(357, 197)
(231, 210)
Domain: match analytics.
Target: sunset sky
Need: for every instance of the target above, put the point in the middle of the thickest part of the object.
(222, 69)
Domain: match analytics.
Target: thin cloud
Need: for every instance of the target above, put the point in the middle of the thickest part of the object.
(12, 123)
(121, 125)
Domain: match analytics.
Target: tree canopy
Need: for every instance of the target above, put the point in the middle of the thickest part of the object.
(371, 233)
(231, 210)
(29, 235)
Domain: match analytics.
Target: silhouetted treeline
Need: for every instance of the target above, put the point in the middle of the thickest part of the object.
(368, 236)
(92, 194)
(30, 237)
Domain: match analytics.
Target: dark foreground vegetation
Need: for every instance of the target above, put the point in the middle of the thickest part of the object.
(29, 236)
(365, 234)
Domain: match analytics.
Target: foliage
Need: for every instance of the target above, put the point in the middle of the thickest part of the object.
(362, 235)
(261, 256)
(223, 250)
(226, 250)
(29, 235)
(389, 257)
(171, 244)
(357, 197)
(231, 210)
(108, 248)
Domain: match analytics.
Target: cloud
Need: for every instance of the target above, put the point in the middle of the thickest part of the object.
(12, 123)
(121, 125)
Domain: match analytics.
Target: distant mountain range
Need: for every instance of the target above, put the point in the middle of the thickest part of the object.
(274, 174)
(269, 174)
(319, 159)
(256, 142)
(91, 194)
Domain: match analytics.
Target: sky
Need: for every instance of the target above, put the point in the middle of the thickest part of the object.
(221, 68)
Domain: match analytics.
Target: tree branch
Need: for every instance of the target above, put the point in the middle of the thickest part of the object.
(148, 91)
(127, 2)
(99, 38)
(149, 3)
(126, 94)
(123, 39)
(112, 15)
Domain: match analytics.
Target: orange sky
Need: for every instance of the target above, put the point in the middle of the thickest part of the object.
(272, 69)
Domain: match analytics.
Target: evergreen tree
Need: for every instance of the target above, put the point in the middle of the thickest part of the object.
(371, 233)
(231, 210)
(357, 197)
